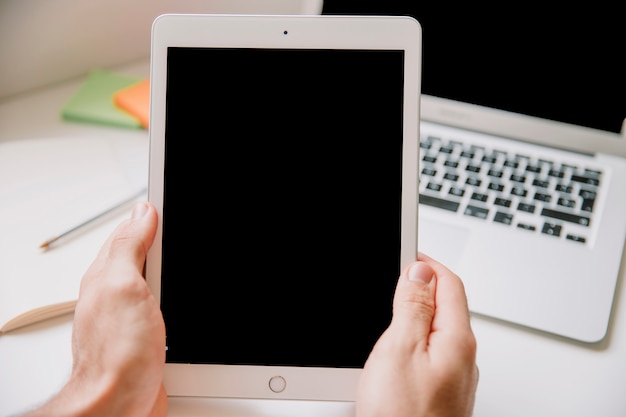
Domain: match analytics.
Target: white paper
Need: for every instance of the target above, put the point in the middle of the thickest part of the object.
(48, 186)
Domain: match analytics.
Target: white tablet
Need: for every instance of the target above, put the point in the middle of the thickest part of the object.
(284, 167)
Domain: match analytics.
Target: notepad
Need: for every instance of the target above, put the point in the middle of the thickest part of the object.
(46, 186)
(135, 100)
(93, 101)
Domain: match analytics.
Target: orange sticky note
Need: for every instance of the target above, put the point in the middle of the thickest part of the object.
(135, 100)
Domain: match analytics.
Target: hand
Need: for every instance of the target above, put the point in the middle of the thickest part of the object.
(118, 338)
(424, 364)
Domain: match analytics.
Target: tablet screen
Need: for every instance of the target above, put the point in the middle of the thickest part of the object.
(282, 204)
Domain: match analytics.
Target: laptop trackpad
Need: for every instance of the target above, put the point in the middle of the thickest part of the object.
(442, 242)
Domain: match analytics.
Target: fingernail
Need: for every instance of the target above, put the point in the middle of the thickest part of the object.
(419, 271)
(139, 210)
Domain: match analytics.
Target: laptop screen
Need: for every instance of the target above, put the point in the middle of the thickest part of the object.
(563, 64)
(281, 216)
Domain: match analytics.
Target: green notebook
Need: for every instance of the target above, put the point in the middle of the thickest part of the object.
(93, 102)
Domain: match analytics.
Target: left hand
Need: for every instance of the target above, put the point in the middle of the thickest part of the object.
(118, 338)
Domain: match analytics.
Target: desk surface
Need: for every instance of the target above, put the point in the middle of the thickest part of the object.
(522, 372)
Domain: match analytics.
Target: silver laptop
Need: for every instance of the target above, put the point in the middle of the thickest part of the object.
(283, 164)
(523, 169)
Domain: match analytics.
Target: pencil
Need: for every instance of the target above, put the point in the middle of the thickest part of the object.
(52, 240)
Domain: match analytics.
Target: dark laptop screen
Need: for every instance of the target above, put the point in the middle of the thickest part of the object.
(560, 63)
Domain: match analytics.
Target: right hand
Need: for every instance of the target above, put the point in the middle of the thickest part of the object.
(424, 364)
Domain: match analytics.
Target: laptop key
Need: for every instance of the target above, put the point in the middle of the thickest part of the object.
(576, 238)
(504, 218)
(438, 202)
(528, 208)
(429, 171)
(518, 178)
(475, 211)
(567, 189)
(551, 229)
(459, 192)
(473, 168)
(566, 202)
(450, 176)
(555, 173)
(589, 199)
(426, 145)
(525, 226)
(473, 181)
(519, 191)
(494, 173)
(541, 183)
(568, 217)
(533, 168)
(586, 180)
(433, 186)
(542, 197)
(479, 197)
(504, 202)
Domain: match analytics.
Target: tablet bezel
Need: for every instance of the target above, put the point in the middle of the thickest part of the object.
(362, 32)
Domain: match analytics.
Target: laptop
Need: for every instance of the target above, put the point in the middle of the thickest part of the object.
(523, 165)
(283, 165)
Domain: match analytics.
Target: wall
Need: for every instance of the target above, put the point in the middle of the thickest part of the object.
(48, 41)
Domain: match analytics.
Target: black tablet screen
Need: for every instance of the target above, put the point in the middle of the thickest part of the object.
(281, 217)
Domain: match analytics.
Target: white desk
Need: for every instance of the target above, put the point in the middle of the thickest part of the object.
(35, 361)
(522, 372)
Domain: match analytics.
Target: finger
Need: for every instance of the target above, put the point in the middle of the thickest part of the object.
(128, 245)
(132, 239)
(414, 304)
(451, 299)
(452, 318)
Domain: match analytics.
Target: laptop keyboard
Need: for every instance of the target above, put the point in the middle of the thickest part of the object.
(517, 189)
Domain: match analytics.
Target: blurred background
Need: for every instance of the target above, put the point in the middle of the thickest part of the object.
(48, 41)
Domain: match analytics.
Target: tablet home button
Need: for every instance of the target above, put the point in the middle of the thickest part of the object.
(277, 383)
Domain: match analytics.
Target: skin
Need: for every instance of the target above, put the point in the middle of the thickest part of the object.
(118, 337)
(422, 365)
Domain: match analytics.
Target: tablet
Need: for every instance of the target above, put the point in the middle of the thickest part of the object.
(284, 168)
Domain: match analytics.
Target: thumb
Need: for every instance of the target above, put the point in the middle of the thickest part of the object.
(132, 238)
(128, 244)
(414, 302)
